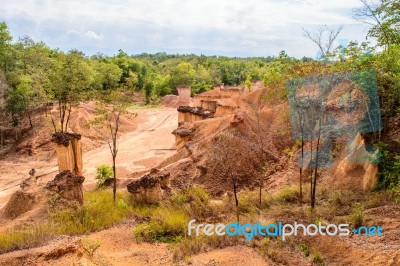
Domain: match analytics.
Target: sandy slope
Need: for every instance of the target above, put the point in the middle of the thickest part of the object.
(140, 149)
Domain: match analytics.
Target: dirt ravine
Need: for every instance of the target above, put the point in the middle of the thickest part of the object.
(139, 150)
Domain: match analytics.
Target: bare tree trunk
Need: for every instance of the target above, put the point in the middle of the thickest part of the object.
(61, 113)
(2, 138)
(302, 158)
(69, 115)
(260, 192)
(51, 117)
(311, 178)
(30, 119)
(236, 198)
(115, 179)
(316, 166)
(301, 169)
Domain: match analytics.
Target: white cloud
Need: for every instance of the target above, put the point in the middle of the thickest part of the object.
(252, 27)
(93, 35)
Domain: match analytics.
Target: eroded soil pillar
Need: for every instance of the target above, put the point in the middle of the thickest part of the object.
(69, 152)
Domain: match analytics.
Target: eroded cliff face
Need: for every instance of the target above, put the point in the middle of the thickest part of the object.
(219, 102)
(357, 168)
(247, 112)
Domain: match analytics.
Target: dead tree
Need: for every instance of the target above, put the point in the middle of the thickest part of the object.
(323, 37)
(225, 162)
(258, 144)
(108, 122)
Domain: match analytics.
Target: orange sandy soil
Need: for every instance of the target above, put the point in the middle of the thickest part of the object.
(118, 247)
(148, 144)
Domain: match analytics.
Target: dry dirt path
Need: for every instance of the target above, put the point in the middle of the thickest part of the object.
(139, 150)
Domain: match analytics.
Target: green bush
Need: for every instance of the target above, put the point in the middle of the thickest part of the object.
(27, 237)
(166, 225)
(286, 195)
(189, 246)
(317, 258)
(249, 202)
(98, 212)
(104, 173)
(305, 249)
(357, 216)
(195, 201)
(389, 167)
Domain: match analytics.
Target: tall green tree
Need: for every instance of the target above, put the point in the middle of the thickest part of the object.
(183, 74)
(384, 18)
(106, 75)
(71, 80)
(6, 48)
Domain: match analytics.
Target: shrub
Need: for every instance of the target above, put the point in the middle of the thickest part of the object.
(97, 213)
(31, 236)
(286, 195)
(249, 202)
(195, 201)
(189, 246)
(357, 216)
(317, 258)
(389, 168)
(104, 173)
(166, 225)
(90, 245)
(305, 249)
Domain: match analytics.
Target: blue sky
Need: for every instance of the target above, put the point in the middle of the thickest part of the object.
(211, 27)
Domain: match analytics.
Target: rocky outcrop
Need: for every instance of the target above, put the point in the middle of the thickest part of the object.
(196, 111)
(190, 114)
(69, 152)
(182, 136)
(356, 167)
(66, 188)
(184, 95)
(209, 105)
(150, 188)
(238, 118)
(224, 110)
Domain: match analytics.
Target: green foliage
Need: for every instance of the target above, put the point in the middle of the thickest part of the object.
(317, 258)
(168, 221)
(98, 212)
(249, 202)
(6, 49)
(289, 194)
(25, 238)
(148, 90)
(183, 74)
(18, 99)
(90, 245)
(305, 249)
(389, 168)
(108, 74)
(166, 225)
(189, 246)
(384, 18)
(357, 215)
(104, 172)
